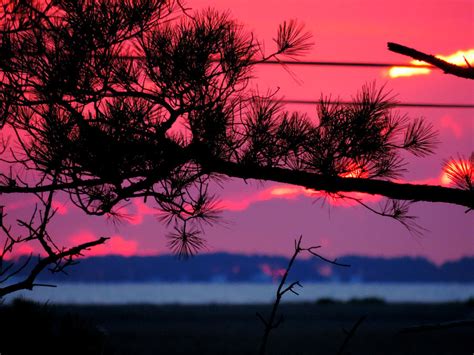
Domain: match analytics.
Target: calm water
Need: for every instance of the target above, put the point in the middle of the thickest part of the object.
(241, 293)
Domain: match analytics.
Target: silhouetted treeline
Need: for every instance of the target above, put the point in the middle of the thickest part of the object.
(223, 267)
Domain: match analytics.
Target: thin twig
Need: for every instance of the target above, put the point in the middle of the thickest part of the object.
(28, 282)
(271, 323)
(350, 334)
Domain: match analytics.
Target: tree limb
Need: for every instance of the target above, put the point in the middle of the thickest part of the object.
(398, 191)
(448, 68)
(26, 189)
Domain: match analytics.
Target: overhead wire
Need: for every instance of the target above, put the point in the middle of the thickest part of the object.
(399, 104)
(351, 64)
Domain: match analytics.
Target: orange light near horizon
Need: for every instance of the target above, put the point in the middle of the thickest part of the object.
(458, 58)
(274, 273)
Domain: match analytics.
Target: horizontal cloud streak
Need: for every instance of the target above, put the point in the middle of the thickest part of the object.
(290, 192)
(116, 245)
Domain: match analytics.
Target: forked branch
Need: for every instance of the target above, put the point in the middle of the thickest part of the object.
(29, 282)
(272, 322)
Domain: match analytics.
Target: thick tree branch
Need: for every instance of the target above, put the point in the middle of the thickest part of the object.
(448, 68)
(393, 190)
(27, 189)
(398, 191)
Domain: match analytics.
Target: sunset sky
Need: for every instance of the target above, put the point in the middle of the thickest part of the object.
(265, 218)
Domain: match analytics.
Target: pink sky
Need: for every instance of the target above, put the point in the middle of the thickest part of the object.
(259, 220)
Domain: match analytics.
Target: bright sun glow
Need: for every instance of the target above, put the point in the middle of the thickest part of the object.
(456, 168)
(354, 171)
(397, 72)
(455, 58)
(445, 179)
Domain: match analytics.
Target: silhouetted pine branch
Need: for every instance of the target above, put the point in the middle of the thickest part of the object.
(87, 121)
(448, 68)
(460, 172)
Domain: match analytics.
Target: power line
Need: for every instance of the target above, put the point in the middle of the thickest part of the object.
(348, 64)
(344, 64)
(400, 104)
(320, 63)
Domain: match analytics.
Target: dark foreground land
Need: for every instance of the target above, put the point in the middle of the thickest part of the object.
(316, 328)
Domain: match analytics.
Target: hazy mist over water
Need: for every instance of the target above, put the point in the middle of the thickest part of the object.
(241, 293)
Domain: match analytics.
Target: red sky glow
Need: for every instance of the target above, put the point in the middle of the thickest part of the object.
(265, 218)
